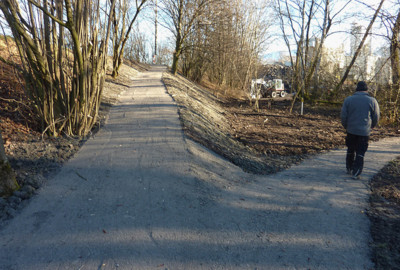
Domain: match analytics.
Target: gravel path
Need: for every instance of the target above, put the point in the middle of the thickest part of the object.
(140, 196)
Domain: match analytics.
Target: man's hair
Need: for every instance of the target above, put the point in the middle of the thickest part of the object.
(362, 86)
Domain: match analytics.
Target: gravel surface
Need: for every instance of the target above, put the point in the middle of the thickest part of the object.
(140, 196)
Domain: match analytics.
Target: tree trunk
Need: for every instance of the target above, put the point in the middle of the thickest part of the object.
(394, 52)
(117, 64)
(65, 81)
(122, 37)
(8, 183)
(177, 54)
(185, 15)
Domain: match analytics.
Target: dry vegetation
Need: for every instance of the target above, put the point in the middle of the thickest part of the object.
(262, 141)
(384, 214)
(271, 140)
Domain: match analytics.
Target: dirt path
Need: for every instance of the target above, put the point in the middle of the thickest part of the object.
(140, 196)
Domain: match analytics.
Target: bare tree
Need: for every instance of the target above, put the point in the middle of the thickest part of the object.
(136, 48)
(253, 39)
(181, 16)
(305, 26)
(8, 182)
(395, 51)
(63, 48)
(164, 54)
(122, 27)
(391, 20)
(226, 45)
(360, 46)
(391, 94)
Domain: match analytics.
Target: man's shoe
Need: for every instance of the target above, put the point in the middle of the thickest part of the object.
(356, 177)
(356, 174)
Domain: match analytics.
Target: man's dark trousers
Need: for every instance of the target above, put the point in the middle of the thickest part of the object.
(356, 148)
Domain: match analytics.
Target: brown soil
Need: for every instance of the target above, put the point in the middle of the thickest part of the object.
(261, 142)
(272, 139)
(384, 214)
(271, 136)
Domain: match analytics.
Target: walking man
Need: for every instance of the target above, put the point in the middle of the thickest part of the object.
(360, 114)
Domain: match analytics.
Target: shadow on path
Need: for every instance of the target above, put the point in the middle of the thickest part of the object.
(141, 196)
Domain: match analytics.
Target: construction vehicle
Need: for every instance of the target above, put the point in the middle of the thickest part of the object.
(270, 88)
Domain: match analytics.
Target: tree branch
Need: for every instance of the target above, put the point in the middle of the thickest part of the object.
(339, 85)
(45, 11)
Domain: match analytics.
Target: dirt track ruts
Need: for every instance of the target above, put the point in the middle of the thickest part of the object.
(141, 196)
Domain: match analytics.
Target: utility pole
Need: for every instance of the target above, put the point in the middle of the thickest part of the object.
(155, 33)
